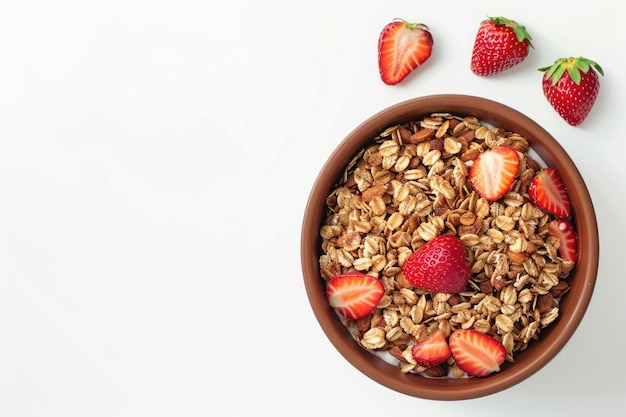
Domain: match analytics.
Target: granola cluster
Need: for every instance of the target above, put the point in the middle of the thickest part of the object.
(411, 185)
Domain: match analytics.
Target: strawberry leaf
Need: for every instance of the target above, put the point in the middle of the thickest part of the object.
(519, 30)
(583, 65)
(597, 67)
(556, 76)
(574, 74)
(550, 70)
(588, 63)
(411, 25)
(573, 66)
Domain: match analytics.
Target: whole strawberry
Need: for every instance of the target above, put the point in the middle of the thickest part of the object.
(571, 85)
(499, 45)
(402, 47)
(440, 265)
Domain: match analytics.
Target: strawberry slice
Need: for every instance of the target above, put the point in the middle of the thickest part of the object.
(547, 191)
(354, 295)
(477, 354)
(568, 247)
(402, 47)
(431, 351)
(492, 172)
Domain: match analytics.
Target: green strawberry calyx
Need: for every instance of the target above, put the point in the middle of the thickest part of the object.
(573, 66)
(520, 31)
(411, 25)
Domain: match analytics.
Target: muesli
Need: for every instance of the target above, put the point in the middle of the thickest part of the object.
(410, 185)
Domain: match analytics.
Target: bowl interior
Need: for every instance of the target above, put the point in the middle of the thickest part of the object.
(572, 307)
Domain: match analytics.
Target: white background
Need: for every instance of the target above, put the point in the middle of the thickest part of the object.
(155, 161)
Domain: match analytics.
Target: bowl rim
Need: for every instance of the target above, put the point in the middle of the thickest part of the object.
(539, 352)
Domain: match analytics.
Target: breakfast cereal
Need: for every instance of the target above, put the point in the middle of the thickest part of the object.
(409, 185)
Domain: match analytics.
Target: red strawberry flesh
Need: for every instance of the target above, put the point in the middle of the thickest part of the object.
(492, 172)
(477, 354)
(548, 192)
(354, 295)
(402, 47)
(431, 351)
(568, 240)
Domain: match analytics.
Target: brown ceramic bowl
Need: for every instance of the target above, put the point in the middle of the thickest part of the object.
(572, 307)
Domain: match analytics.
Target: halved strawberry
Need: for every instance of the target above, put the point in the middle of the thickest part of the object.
(548, 192)
(402, 47)
(477, 354)
(431, 351)
(568, 247)
(354, 295)
(492, 172)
